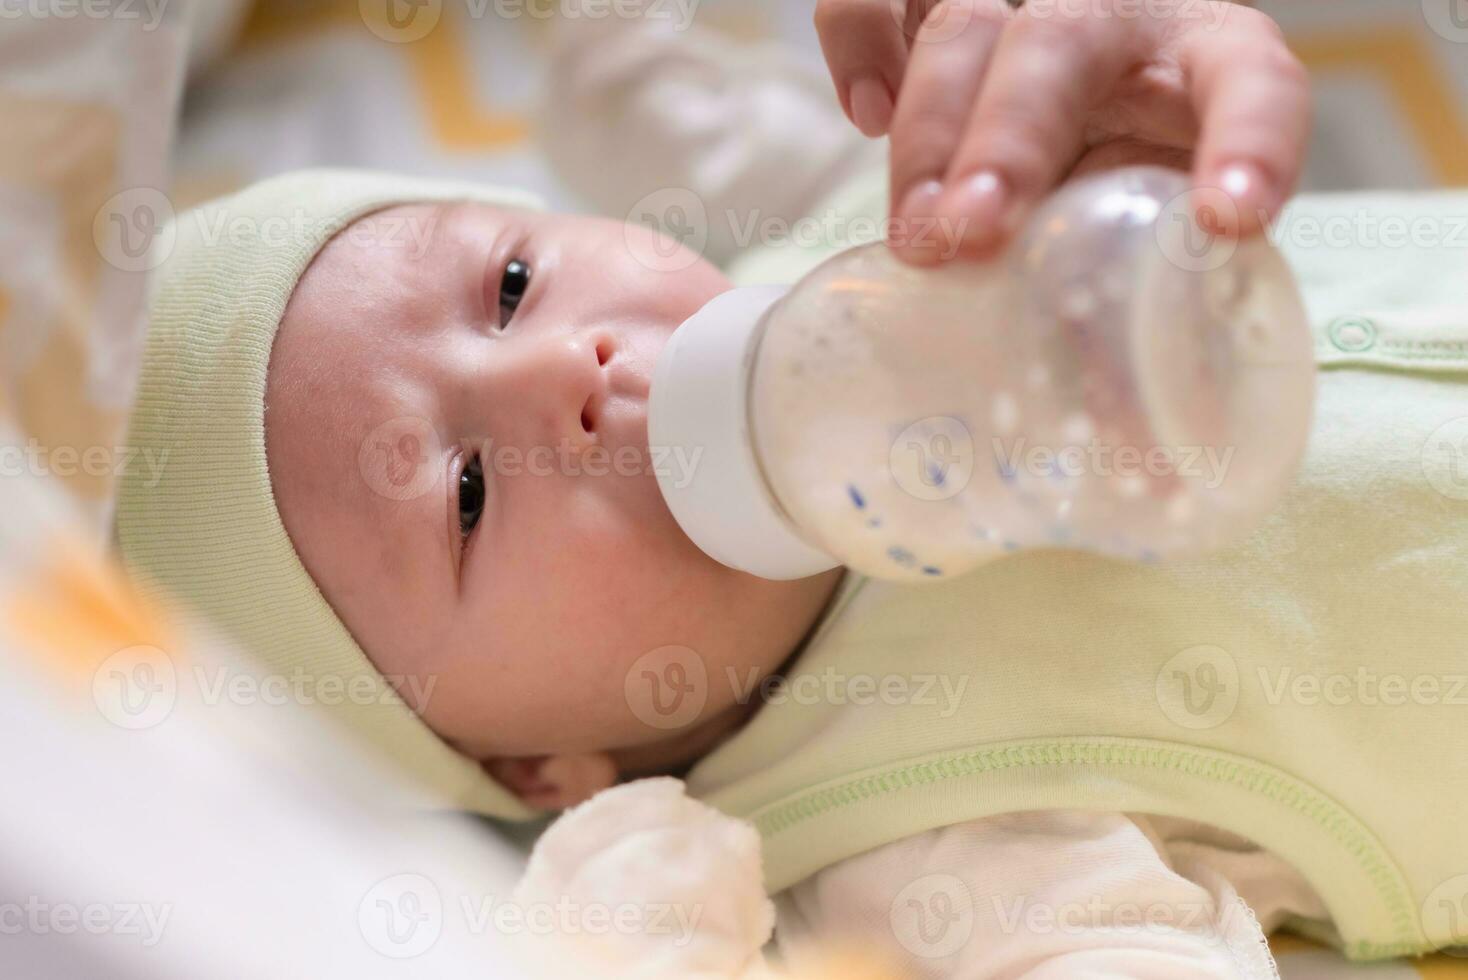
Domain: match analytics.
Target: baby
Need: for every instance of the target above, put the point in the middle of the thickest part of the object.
(527, 590)
(411, 450)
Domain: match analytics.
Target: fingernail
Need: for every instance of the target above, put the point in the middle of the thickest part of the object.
(909, 231)
(871, 105)
(919, 200)
(1252, 193)
(982, 206)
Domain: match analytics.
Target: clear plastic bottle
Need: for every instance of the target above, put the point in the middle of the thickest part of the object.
(1117, 381)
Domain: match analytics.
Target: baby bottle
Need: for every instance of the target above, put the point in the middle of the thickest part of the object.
(1118, 380)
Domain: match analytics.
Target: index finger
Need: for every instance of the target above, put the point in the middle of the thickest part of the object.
(865, 45)
(1252, 97)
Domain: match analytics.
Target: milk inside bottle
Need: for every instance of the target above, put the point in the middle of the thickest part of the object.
(1120, 380)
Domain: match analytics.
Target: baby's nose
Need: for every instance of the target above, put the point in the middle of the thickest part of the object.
(555, 386)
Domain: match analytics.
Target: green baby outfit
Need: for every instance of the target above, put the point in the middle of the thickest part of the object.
(1307, 689)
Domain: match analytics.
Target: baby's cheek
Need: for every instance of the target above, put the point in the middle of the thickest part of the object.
(668, 278)
(688, 290)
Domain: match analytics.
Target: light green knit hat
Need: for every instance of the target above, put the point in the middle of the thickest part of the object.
(203, 530)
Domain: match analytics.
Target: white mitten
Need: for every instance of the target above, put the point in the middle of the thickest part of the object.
(641, 881)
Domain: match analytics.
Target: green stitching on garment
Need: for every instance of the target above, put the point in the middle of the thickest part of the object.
(1452, 345)
(1426, 350)
(1339, 825)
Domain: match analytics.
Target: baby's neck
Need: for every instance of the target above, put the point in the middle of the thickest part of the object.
(676, 756)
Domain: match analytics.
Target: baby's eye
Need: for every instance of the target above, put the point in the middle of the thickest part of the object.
(512, 289)
(471, 496)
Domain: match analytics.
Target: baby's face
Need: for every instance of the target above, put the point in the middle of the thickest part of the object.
(457, 443)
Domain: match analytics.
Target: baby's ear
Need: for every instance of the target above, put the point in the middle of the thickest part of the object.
(555, 782)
